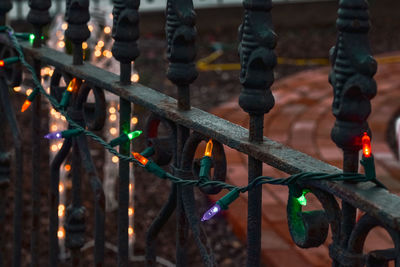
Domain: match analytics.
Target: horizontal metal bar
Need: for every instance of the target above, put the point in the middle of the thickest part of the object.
(363, 195)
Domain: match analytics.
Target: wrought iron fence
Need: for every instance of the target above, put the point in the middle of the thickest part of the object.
(351, 77)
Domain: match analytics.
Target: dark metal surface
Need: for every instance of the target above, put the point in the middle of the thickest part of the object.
(38, 16)
(354, 87)
(125, 33)
(18, 179)
(77, 15)
(273, 153)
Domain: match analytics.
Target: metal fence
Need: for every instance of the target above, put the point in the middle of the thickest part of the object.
(351, 77)
(21, 6)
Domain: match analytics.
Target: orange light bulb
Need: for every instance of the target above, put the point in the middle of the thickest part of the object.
(140, 158)
(26, 105)
(209, 147)
(2, 63)
(73, 84)
(366, 143)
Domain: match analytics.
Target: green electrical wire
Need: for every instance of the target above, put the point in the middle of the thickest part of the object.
(300, 177)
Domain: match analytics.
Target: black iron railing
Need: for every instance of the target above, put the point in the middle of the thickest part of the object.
(352, 78)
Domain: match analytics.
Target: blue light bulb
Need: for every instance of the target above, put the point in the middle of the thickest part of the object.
(211, 212)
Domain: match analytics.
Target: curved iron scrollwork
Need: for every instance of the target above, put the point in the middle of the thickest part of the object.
(189, 163)
(354, 256)
(163, 143)
(310, 228)
(164, 152)
(352, 75)
(187, 167)
(93, 116)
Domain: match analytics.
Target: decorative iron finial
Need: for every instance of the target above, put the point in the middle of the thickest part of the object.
(39, 16)
(257, 57)
(77, 15)
(181, 52)
(352, 75)
(5, 6)
(75, 227)
(125, 30)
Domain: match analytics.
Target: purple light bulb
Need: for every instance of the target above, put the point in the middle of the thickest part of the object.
(211, 212)
(55, 135)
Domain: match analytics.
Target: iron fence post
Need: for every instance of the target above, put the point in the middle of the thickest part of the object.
(181, 33)
(352, 73)
(125, 33)
(257, 59)
(38, 16)
(77, 15)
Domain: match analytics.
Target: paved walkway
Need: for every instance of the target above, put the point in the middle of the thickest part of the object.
(302, 119)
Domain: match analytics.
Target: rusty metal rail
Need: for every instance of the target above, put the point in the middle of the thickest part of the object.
(352, 79)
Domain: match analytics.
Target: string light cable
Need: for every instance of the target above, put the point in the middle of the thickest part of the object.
(234, 191)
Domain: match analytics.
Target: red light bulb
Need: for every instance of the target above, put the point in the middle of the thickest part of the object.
(366, 144)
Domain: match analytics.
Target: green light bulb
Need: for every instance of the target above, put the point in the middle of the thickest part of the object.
(31, 38)
(302, 199)
(134, 134)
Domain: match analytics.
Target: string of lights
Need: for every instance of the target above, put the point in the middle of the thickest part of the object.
(140, 159)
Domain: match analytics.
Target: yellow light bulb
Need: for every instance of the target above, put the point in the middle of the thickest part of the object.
(111, 110)
(130, 211)
(209, 147)
(61, 44)
(134, 120)
(107, 30)
(115, 159)
(61, 209)
(17, 88)
(113, 131)
(61, 187)
(130, 231)
(113, 117)
(135, 77)
(61, 232)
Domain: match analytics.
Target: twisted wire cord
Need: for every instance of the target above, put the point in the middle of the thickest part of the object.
(291, 180)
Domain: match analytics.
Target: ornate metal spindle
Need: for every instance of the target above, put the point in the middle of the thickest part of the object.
(4, 182)
(257, 58)
(55, 200)
(354, 87)
(99, 200)
(75, 213)
(181, 34)
(125, 33)
(77, 15)
(18, 181)
(38, 16)
(5, 6)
